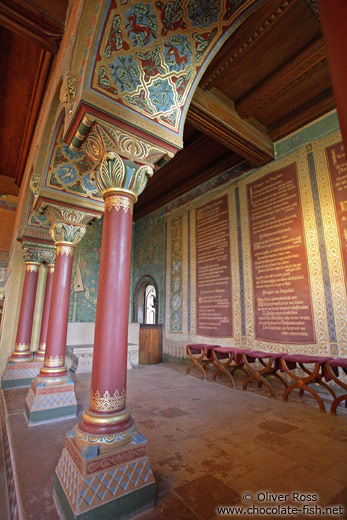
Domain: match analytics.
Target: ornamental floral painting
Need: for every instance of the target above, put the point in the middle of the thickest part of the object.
(149, 54)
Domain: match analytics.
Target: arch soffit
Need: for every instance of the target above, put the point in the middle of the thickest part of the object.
(143, 62)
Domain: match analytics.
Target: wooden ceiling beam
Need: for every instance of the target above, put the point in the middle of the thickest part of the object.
(283, 79)
(8, 186)
(31, 22)
(214, 114)
(303, 115)
(144, 206)
(245, 39)
(38, 91)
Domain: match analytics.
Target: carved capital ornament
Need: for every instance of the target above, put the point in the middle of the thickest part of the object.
(122, 176)
(68, 225)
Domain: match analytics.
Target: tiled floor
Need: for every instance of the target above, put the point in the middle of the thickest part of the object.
(208, 445)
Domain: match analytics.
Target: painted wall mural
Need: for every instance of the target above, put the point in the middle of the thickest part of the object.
(176, 240)
(306, 233)
(85, 275)
(149, 53)
(148, 254)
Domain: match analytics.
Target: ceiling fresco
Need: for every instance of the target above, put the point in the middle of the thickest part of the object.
(149, 55)
(69, 171)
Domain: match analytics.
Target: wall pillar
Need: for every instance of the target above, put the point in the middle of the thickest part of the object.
(40, 354)
(333, 17)
(107, 436)
(22, 350)
(21, 367)
(51, 394)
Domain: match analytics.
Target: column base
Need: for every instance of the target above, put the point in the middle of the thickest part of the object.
(118, 483)
(50, 399)
(17, 374)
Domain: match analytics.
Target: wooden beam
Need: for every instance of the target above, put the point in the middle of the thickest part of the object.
(144, 207)
(245, 39)
(8, 186)
(38, 91)
(214, 114)
(31, 22)
(283, 79)
(303, 115)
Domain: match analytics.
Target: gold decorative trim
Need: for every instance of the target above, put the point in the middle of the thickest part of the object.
(56, 361)
(21, 347)
(42, 347)
(79, 136)
(118, 202)
(52, 371)
(50, 268)
(94, 418)
(119, 191)
(87, 121)
(32, 267)
(107, 403)
(65, 250)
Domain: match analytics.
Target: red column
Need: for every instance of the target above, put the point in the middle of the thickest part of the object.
(25, 324)
(106, 413)
(40, 354)
(334, 24)
(54, 363)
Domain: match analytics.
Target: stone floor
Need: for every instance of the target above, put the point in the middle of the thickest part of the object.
(208, 445)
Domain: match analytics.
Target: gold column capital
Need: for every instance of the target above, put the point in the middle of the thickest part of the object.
(32, 267)
(121, 176)
(68, 225)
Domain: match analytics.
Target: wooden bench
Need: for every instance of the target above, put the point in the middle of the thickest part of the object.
(313, 375)
(204, 357)
(227, 360)
(331, 372)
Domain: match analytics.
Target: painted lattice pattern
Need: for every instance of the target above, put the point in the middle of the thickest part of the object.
(24, 371)
(88, 493)
(36, 402)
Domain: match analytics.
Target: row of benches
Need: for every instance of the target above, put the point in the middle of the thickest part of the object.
(228, 360)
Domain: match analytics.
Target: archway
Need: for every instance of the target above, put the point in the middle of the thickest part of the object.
(145, 301)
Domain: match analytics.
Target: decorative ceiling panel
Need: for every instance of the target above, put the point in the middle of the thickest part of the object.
(70, 172)
(149, 54)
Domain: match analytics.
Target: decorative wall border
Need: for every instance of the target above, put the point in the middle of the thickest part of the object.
(240, 258)
(332, 241)
(234, 265)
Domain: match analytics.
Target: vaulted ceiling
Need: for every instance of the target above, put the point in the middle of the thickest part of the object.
(269, 79)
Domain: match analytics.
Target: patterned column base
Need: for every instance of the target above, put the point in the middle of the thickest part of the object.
(50, 399)
(114, 484)
(18, 374)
